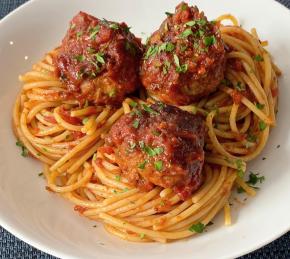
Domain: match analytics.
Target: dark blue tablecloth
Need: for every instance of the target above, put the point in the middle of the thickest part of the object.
(12, 247)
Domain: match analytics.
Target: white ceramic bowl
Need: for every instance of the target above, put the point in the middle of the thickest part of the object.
(47, 222)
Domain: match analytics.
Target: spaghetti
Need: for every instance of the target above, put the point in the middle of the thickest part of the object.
(66, 137)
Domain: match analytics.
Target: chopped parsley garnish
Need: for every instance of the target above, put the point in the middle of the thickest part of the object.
(258, 58)
(142, 165)
(118, 178)
(80, 58)
(240, 87)
(149, 109)
(252, 138)
(40, 174)
(254, 179)
(94, 31)
(132, 104)
(198, 228)
(179, 68)
(226, 82)
(184, 7)
(79, 34)
(260, 106)
(100, 57)
(85, 120)
(156, 132)
(166, 66)
(158, 150)
(114, 26)
(183, 48)
(125, 189)
(112, 93)
(262, 125)
(166, 46)
(152, 50)
(240, 171)
(142, 235)
(210, 40)
(72, 26)
(186, 33)
(136, 124)
(130, 47)
(190, 23)
(24, 150)
(158, 165)
(168, 13)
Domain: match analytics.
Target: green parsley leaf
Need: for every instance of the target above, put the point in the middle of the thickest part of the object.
(240, 87)
(176, 60)
(95, 157)
(240, 171)
(24, 150)
(158, 165)
(258, 58)
(182, 69)
(183, 48)
(166, 66)
(130, 47)
(252, 138)
(179, 68)
(100, 57)
(210, 40)
(40, 174)
(186, 33)
(198, 228)
(226, 82)
(254, 179)
(85, 120)
(136, 124)
(142, 235)
(168, 13)
(166, 46)
(260, 106)
(240, 190)
(132, 104)
(142, 165)
(150, 151)
(184, 7)
(118, 178)
(152, 50)
(190, 23)
(156, 132)
(112, 93)
(80, 58)
(149, 109)
(94, 31)
(79, 34)
(114, 26)
(262, 125)
(158, 150)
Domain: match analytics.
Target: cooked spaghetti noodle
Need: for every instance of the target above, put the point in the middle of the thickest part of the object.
(66, 137)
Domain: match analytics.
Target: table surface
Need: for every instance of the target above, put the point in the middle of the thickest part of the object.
(12, 247)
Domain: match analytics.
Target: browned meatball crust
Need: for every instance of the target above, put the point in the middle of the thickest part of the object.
(185, 58)
(159, 145)
(99, 60)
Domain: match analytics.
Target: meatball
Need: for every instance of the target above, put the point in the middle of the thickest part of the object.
(159, 145)
(184, 59)
(99, 60)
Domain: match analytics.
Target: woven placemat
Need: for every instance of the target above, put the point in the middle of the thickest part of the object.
(12, 247)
